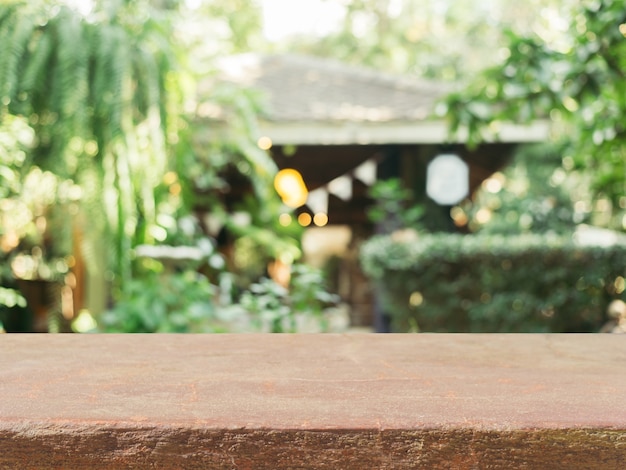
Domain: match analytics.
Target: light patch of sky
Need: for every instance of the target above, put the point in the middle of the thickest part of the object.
(395, 8)
(553, 30)
(83, 6)
(284, 18)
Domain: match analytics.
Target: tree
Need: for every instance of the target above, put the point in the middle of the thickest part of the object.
(445, 40)
(533, 194)
(97, 90)
(576, 81)
(104, 90)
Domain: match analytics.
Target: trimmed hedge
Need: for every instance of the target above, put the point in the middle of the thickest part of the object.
(494, 283)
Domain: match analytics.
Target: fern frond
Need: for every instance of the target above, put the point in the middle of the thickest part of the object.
(67, 82)
(6, 10)
(17, 36)
(35, 72)
(118, 65)
(102, 80)
(72, 67)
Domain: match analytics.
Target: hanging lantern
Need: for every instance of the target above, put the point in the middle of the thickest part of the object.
(290, 187)
(447, 179)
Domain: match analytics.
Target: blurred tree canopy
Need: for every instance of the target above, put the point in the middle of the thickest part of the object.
(108, 89)
(534, 194)
(99, 92)
(446, 40)
(576, 81)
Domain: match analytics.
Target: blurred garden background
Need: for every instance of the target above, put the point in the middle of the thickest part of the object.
(318, 165)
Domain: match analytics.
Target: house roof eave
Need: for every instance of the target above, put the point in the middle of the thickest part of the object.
(407, 132)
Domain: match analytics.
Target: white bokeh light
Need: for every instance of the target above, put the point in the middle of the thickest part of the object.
(284, 18)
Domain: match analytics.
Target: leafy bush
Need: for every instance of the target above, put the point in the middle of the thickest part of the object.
(187, 302)
(277, 309)
(495, 283)
(166, 303)
(394, 205)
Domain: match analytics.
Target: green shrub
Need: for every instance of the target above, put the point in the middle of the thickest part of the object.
(277, 309)
(187, 302)
(494, 283)
(167, 303)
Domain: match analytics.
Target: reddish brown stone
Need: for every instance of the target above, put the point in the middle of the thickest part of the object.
(313, 401)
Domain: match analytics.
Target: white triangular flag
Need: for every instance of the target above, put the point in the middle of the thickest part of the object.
(341, 187)
(318, 201)
(366, 172)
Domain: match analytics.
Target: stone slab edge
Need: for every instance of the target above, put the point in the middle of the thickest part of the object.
(72, 445)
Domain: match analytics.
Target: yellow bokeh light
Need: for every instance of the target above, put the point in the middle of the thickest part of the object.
(290, 187)
(9, 241)
(304, 219)
(320, 219)
(459, 216)
(284, 220)
(170, 178)
(416, 299)
(175, 189)
(570, 104)
(622, 29)
(91, 148)
(494, 183)
(264, 143)
(483, 216)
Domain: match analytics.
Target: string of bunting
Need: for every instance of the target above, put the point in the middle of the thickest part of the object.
(341, 187)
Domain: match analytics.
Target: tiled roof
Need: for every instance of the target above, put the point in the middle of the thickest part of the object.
(312, 89)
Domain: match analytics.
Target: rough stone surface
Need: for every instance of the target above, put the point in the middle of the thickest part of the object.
(313, 401)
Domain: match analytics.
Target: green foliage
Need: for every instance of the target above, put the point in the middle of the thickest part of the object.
(308, 290)
(16, 217)
(216, 28)
(234, 153)
(187, 302)
(96, 91)
(576, 81)
(495, 283)
(256, 247)
(243, 19)
(394, 206)
(534, 193)
(447, 40)
(167, 303)
(103, 92)
(277, 309)
(267, 302)
(32, 204)
(11, 298)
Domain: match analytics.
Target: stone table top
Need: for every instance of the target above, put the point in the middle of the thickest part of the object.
(362, 383)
